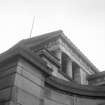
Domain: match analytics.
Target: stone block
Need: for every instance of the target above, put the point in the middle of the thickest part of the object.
(7, 81)
(51, 102)
(4, 103)
(57, 96)
(24, 98)
(32, 77)
(5, 94)
(23, 65)
(88, 101)
(8, 71)
(29, 86)
(12, 103)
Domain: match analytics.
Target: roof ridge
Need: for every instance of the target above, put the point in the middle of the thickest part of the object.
(46, 35)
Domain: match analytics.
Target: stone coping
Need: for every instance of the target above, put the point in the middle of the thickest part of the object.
(96, 75)
(71, 87)
(26, 54)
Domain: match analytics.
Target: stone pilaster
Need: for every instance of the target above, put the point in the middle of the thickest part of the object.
(69, 68)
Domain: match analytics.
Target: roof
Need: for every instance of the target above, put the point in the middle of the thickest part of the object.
(21, 50)
(38, 41)
(34, 42)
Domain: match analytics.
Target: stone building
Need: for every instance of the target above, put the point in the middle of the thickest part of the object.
(49, 70)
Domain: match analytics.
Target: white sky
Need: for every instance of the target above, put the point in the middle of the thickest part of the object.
(83, 21)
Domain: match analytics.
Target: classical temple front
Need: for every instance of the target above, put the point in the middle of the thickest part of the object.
(49, 70)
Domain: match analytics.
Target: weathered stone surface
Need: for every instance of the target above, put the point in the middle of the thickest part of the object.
(5, 94)
(24, 98)
(12, 103)
(57, 96)
(4, 103)
(87, 101)
(7, 77)
(8, 65)
(30, 76)
(51, 102)
(23, 65)
(27, 85)
(7, 72)
(7, 81)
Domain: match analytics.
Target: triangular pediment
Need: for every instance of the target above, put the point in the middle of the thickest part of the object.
(60, 55)
(41, 40)
(54, 41)
(54, 46)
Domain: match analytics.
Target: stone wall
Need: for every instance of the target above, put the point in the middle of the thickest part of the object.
(30, 89)
(28, 85)
(7, 76)
(24, 84)
(54, 97)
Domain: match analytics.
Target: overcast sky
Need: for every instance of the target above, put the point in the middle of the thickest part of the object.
(82, 21)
